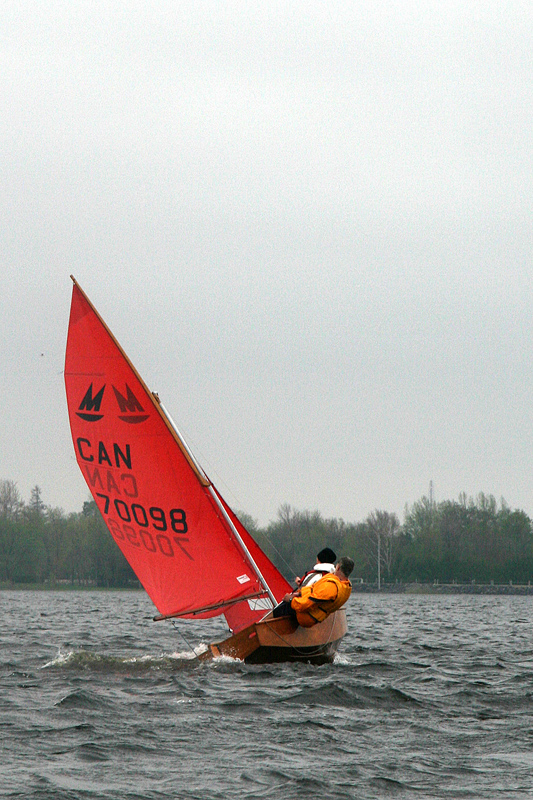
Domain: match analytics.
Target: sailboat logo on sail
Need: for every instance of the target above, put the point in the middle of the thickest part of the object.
(128, 406)
(89, 409)
(90, 406)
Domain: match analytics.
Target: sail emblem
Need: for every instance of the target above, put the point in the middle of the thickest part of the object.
(89, 409)
(90, 406)
(129, 405)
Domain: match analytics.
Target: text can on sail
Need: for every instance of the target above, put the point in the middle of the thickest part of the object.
(188, 549)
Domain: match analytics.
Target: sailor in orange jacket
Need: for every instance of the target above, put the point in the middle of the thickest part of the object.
(312, 604)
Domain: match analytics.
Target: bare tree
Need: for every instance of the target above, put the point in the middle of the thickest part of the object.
(384, 528)
(11, 503)
(11, 507)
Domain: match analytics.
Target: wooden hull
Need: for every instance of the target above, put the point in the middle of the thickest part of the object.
(276, 640)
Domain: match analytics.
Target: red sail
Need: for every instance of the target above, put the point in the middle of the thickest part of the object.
(158, 505)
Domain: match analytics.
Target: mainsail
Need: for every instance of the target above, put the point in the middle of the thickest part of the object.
(186, 546)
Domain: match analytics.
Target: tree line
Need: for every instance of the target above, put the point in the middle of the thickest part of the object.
(471, 539)
(43, 545)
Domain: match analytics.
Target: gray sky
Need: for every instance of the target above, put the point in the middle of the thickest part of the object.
(309, 225)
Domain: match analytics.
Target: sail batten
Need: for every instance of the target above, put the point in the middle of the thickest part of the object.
(189, 551)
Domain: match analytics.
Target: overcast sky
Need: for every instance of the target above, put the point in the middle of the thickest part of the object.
(309, 224)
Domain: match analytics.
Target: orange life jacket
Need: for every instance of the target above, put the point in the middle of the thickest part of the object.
(333, 593)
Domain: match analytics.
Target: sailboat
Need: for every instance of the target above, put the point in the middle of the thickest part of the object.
(189, 550)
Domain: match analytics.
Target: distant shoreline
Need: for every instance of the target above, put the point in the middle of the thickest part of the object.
(444, 588)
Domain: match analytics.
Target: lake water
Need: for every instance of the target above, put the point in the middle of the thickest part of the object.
(430, 697)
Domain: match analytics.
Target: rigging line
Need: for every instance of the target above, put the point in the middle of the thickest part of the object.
(191, 648)
(290, 567)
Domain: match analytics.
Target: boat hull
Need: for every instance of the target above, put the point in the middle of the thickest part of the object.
(278, 640)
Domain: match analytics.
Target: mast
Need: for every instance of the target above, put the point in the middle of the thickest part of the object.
(215, 497)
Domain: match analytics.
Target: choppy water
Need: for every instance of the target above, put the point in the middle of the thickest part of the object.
(431, 697)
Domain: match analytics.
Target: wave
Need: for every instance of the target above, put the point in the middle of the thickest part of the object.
(80, 699)
(85, 660)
